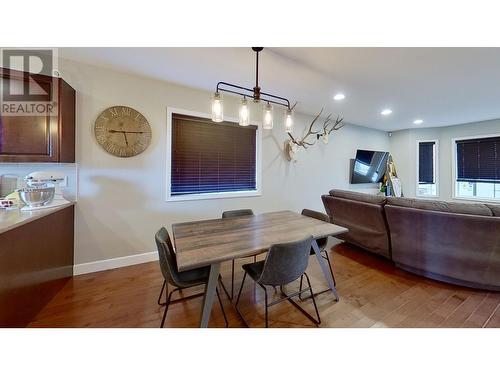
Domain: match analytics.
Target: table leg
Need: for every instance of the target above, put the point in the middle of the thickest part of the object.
(208, 298)
(325, 270)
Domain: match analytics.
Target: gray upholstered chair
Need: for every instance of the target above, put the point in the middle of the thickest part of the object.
(284, 264)
(233, 214)
(180, 280)
(237, 213)
(321, 244)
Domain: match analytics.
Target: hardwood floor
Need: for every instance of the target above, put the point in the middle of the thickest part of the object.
(373, 293)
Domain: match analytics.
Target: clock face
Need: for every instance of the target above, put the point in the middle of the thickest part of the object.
(122, 131)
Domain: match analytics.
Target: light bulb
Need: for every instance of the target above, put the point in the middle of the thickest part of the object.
(268, 116)
(217, 108)
(288, 120)
(244, 113)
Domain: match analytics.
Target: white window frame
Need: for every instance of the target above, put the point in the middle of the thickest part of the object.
(454, 171)
(435, 166)
(232, 194)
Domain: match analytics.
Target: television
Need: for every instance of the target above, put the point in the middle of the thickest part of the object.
(369, 167)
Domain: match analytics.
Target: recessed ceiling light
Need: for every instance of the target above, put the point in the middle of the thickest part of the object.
(386, 112)
(418, 121)
(339, 96)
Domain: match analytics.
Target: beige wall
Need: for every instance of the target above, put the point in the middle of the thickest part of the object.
(121, 202)
(403, 147)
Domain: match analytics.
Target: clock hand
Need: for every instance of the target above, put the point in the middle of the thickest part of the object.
(123, 131)
(125, 135)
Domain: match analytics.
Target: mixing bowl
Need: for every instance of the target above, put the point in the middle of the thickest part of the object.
(36, 197)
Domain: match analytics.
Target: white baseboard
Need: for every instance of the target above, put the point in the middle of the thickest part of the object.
(107, 264)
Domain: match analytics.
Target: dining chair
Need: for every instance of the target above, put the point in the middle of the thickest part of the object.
(322, 242)
(232, 214)
(180, 280)
(284, 264)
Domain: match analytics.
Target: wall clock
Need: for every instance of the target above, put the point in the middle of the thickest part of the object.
(122, 131)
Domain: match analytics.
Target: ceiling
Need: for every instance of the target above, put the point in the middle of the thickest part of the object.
(442, 86)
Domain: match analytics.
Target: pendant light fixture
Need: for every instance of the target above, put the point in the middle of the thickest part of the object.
(288, 120)
(217, 108)
(267, 118)
(257, 95)
(244, 113)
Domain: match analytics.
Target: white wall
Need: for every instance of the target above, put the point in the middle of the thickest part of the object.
(121, 202)
(403, 147)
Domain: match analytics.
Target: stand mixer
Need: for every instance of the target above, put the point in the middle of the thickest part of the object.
(43, 190)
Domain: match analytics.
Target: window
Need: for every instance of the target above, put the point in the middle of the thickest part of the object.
(477, 168)
(427, 185)
(211, 160)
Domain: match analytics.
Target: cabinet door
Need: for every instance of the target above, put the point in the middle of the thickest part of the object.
(29, 138)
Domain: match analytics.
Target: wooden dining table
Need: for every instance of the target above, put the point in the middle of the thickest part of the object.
(211, 242)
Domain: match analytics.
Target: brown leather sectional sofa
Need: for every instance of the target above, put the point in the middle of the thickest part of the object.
(453, 242)
(364, 215)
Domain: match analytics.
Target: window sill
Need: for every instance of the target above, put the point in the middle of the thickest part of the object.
(207, 196)
(477, 200)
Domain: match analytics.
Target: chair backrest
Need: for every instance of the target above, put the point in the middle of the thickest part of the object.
(286, 262)
(316, 215)
(168, 264)
(236, 213)
(322, 242)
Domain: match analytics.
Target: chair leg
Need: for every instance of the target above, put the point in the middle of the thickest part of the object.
(330, 267)
(232, 280)
(267, 307)
(327, 258)
(221, 307)
(312, 296)
(300, 287)
(167, 303)
(238, 300)
(288, 297)
(161, 292)
(241, 288)
(170, 300)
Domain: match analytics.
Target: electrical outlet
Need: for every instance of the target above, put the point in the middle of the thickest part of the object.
(65, 182)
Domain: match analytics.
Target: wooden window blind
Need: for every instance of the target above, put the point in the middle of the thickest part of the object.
(478, 160)
(210, 157)
(426, 162)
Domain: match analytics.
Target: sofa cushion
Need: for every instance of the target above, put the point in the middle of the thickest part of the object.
(354, 195)
(495, 209)
(442, 206)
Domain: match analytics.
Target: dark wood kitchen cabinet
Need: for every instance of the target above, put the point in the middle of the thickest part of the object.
(36, 260)
(29, 136)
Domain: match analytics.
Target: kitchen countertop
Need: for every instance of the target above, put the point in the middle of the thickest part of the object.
(10, 219)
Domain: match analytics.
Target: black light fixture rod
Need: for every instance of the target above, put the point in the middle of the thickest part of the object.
(233, 92)
(231, 85)
(223, 89)
(256, 89)
(277, 97)
(274, 102)
(256, 93)
(257, 69)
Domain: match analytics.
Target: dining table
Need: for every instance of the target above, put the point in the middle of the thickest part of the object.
(211, 242)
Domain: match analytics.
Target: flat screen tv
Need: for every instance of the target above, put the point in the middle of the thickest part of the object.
(369, 167)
